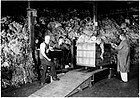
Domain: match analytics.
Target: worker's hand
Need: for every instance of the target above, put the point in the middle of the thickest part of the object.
(113, 45)
(51, 48)
(49, 59)
(47, 50)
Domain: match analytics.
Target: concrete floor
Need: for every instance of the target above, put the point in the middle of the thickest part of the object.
(114, 87)
(111, 88)
(104, 88)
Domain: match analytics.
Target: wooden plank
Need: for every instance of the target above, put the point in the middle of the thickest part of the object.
(33, 95)
(85, 84)
(69, 82)
(86, 65)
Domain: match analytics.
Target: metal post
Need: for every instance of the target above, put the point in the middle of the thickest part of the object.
(29, 25)
(29, 21)
(95, 14)
(31, 13)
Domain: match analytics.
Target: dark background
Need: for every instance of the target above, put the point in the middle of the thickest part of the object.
(18, 8)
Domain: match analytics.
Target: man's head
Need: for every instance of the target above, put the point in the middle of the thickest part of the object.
(122, 36)
(36, 41)
(47, 38)
(60, 40)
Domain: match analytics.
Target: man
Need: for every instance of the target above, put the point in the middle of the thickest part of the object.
(123, 57)
(66, 51)
(37, 58)
(46, 61)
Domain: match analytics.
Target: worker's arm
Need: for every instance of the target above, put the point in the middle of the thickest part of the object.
(66, 46)
(120, 46)
(56, 46)
(117, 47)
(42, 50)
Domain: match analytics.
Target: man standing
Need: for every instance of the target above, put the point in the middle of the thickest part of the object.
(123, 57)
(66, 51)
(46, 61)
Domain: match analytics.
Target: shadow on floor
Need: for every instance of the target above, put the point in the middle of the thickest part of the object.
(114, 87)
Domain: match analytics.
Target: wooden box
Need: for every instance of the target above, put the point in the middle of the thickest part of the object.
(88, 54)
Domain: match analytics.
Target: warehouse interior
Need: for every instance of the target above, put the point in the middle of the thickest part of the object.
(24, 25)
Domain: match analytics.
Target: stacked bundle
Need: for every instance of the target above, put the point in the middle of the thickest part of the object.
(71, 29)
(15, 53)
(56, 32)
(109, 31)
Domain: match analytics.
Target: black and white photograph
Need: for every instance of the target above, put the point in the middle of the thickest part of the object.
(73, 48)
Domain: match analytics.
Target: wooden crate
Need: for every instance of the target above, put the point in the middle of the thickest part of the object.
(88, 54)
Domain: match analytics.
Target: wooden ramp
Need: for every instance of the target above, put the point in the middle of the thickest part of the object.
(68, 84)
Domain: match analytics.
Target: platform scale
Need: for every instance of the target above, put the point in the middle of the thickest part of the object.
(72, 82)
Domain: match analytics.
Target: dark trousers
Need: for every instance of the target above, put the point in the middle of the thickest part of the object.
(45, 63)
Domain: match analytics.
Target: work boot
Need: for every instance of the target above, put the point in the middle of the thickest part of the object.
(55, 78)
(41, 84)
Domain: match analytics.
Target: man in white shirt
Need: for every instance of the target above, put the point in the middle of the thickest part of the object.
(46, 61)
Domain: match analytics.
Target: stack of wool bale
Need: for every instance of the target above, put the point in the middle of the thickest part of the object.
(16, 57)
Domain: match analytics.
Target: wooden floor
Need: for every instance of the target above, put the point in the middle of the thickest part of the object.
(66, 85)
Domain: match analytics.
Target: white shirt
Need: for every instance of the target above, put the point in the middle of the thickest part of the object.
(42, 51)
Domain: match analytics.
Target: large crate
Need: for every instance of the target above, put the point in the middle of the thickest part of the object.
(88, 54)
